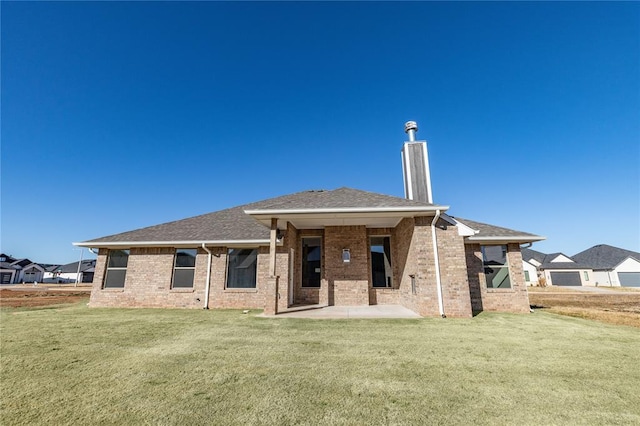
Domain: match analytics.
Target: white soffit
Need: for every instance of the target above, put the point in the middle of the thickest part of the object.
(503, 240)
(463, 230)
(317, 218)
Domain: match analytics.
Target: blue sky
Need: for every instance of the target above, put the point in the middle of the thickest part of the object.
(117, 116)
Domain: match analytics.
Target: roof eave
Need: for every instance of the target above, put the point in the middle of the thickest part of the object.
(415, 210)
(478, 239)
(177, 244)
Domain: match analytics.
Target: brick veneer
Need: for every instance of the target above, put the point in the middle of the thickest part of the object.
(514, 299)
(148, 281)
(150, 270)
(349, 281)
(414, 256)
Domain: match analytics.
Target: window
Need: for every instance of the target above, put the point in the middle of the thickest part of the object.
(381, 273)
(242, 267)
(116, 268)
(311, 261)
(586, 275)
(184, 268)
(526, 276)
(496, 268)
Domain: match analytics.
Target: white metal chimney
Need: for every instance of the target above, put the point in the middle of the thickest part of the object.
(415, 166)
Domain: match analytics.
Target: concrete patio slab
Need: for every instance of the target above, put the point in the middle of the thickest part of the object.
(342, 312)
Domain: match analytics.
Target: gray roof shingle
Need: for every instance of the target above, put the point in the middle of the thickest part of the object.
(234, 224)
(604, 256)
(528, 254)
(338, 198)
(87, 265)
(492, 231)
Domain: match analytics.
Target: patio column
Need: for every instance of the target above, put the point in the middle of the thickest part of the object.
(271, 302)
(272, 247)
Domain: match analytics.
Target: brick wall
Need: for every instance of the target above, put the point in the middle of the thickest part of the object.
(453, 271)
(349, 281)
(514, 299)
(148, 281)
(414, 256)
(150, 271)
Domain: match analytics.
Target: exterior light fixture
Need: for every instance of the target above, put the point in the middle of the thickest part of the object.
(346, 255)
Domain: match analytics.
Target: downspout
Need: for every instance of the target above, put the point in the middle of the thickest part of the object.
(208, 285)
(437, 263)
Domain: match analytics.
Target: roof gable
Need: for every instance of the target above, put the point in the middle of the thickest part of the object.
(530, 254)
(559, 257)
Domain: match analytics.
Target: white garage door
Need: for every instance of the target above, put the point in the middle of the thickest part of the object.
(629, 279)
(565, 278)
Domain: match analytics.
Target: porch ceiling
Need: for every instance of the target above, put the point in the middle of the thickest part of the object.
(318, 219)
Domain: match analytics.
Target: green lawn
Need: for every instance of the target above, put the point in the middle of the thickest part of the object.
(76, 365)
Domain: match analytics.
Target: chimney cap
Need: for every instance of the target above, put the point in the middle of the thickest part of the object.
(410, 125)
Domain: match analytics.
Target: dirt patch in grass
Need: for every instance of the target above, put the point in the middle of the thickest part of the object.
(35, 298)
(621, 309)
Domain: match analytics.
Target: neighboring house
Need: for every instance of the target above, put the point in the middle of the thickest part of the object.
(612, 266)
(556, 268)
(51, 272)
(340, 247)
(14, 271)
(8, 273)
(69, 273)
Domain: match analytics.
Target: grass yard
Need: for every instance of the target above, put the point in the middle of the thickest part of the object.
(76, 365)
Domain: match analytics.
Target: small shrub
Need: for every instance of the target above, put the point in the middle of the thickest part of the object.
(542, 282)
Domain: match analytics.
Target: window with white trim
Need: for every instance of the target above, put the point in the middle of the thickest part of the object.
(184, 267)
(242, 268)
(116, 269)
(496, 267)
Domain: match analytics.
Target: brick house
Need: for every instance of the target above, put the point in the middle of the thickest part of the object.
(336, 247)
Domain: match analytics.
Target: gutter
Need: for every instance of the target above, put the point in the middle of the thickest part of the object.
(208, 284)
(510, 239)
(182, 243)
(437, 263)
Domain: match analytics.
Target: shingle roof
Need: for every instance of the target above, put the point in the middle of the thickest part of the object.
(546, 260)
(492, 231)
(234, 224)
(73, 267)
(528, 254)
(604, 256)
(338, 198)
(7, 265)
(563, 265)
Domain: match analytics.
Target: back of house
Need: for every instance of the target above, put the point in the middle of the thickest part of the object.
(345, 247)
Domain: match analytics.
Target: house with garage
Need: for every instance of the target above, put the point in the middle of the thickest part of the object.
(70, 273)
(612, 266)
(14, 270)
(9, 272)
(556, 269)
(321, 247)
